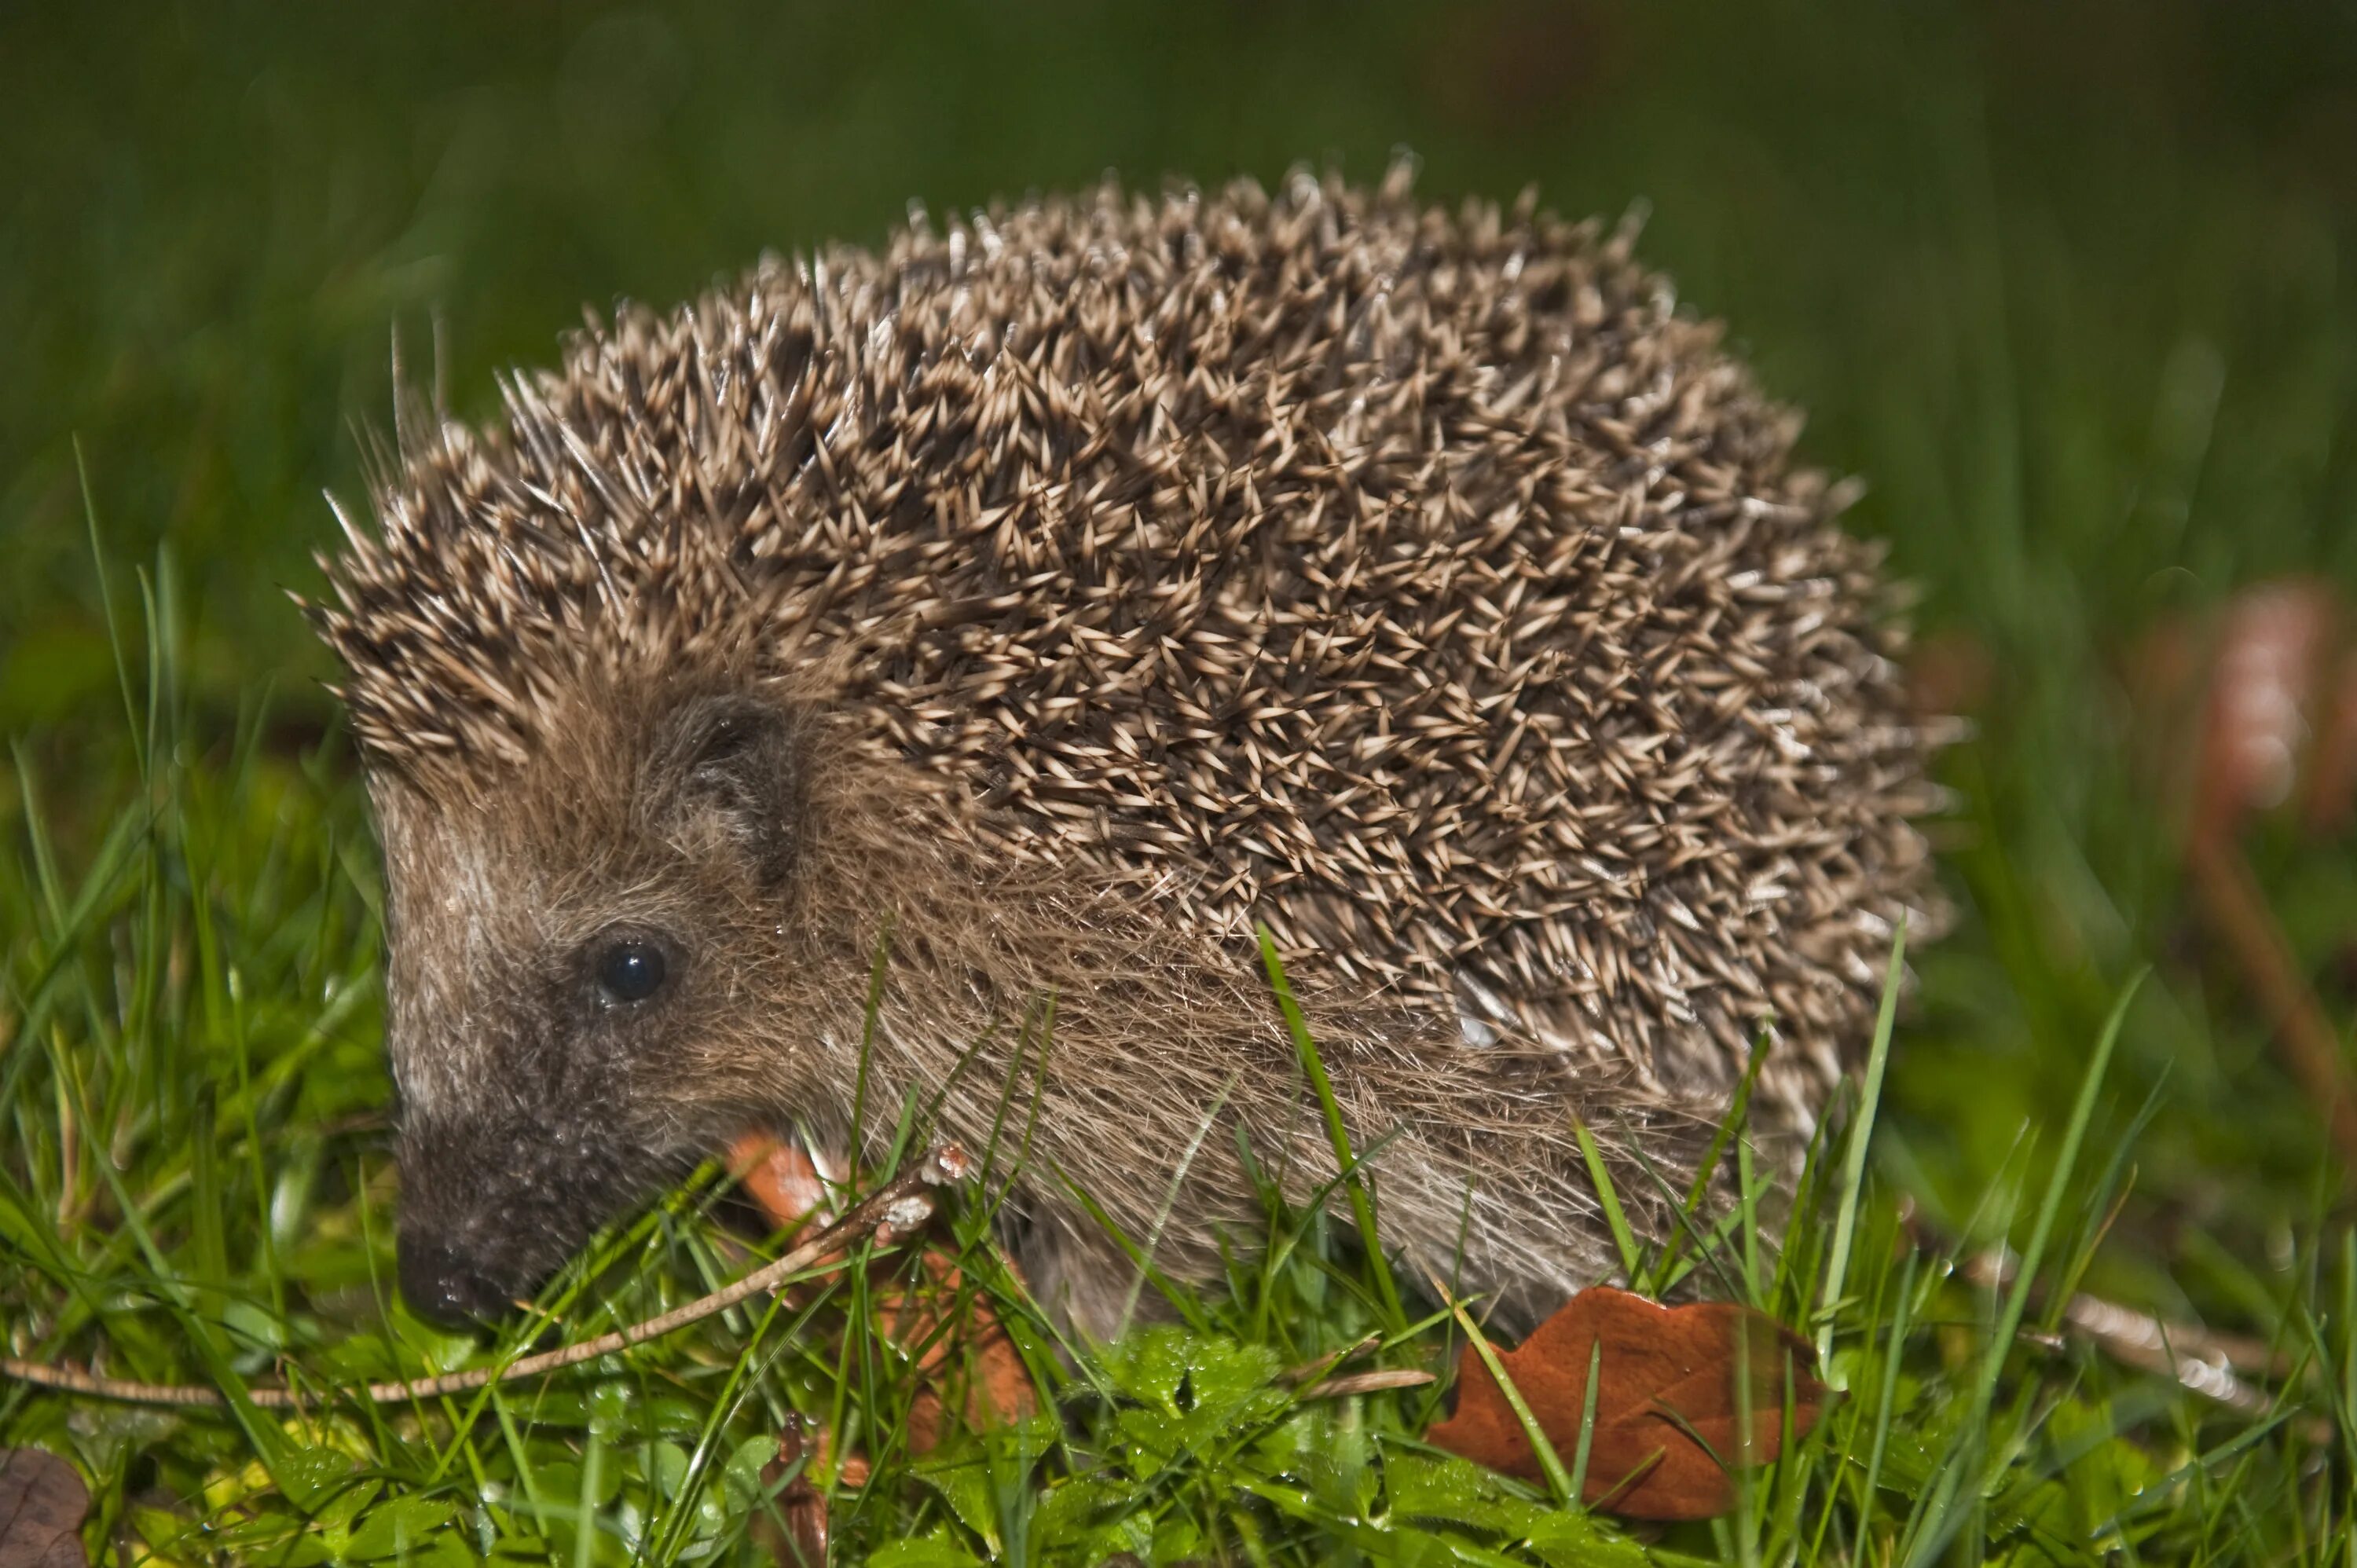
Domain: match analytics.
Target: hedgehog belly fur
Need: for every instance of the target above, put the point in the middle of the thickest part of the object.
(1137, 571)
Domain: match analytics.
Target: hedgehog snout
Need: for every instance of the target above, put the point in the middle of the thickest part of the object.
(470, 1246)
(494, 1198)
(442, 1286)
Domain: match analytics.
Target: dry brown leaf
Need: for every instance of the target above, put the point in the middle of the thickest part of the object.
(42, 1504)
(2257, 716)
(779, 1177)
(970, 1360)
(795, 1536)
(1667, 1378)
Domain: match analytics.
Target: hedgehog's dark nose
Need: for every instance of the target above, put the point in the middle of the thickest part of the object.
(441, 1288)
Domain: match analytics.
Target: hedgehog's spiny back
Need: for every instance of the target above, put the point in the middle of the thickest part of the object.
(1421, 586)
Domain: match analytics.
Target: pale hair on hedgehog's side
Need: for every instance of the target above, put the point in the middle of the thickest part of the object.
(1070, 589)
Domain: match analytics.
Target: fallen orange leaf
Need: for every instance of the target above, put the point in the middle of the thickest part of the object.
(778, 1176)
(971, 1357)
(1667, 1416)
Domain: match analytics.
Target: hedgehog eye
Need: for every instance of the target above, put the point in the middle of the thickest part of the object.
(630, 972)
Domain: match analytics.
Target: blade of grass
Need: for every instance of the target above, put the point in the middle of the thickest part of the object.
(1937, 1523)
(1632, 1258)
(2033, 1257)
(1577, 1487)
(1729, 1129)
(1861, 1131)
(1361, 1204)
(106, 602)
(1558, 1480)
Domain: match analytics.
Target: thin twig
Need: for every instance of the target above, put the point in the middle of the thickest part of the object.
(2210, 1364)
(1316, 1378)
(2218, 1367)
(1310, 1371)
(895, 1208)
(2306, 1039)
(1368, 1383)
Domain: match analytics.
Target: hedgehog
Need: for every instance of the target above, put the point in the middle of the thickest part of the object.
(940, 677)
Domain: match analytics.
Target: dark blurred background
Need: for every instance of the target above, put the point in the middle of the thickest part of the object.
(2068, 283)
(1924, 221)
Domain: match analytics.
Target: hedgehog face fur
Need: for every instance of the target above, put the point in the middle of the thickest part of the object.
(570, 969)
(1062, 595)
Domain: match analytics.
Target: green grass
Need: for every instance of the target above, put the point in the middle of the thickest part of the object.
(2067, 282)
(197, 1191)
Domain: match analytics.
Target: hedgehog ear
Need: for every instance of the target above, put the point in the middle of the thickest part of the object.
(742, 765)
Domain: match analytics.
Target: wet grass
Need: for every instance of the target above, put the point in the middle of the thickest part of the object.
(197, 1192)
(2066, 283)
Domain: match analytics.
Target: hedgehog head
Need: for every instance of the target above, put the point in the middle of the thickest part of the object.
(569, 945)
(590, 787)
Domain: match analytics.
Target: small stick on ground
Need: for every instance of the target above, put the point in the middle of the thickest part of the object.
(1368, 1383)
(2309, 1045)
(894, 1209)
(2204, 1361)
(2218, 1367)
(1312, 1371)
